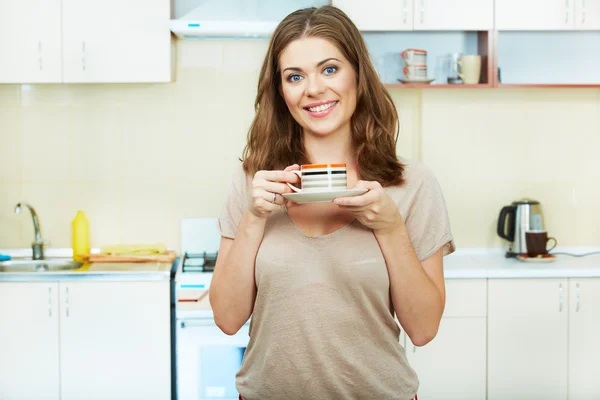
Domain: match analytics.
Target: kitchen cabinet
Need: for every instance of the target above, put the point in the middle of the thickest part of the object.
(85, 41)
(587, 15)
(528, 324)
(30, 41)
(116, 41)
(113, 341)
(584, 331)
(406, 15)
(535, 15)
(29, 352)
(379, 15)
(457, 15)
(453, 365)
(547, 15)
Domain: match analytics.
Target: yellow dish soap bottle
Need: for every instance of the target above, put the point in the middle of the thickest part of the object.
(80, 236)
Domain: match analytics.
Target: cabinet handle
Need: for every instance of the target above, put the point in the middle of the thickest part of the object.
(40, 56)
(560, 297)
(67, 301)
(49, 301)
(577, 296)
(583, 12)
(83, 56)
(566, 12)
(423, 11)
(405, 11)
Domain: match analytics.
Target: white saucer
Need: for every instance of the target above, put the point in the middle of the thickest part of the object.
(322, 197)
(404, 80)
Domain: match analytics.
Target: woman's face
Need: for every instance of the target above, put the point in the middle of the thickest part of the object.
(318, 86)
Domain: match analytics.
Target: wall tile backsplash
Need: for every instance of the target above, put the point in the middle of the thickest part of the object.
(138, 158)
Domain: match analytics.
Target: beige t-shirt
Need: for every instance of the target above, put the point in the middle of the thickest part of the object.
(323, 322)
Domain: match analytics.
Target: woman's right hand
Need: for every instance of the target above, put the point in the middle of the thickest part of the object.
(267, 190)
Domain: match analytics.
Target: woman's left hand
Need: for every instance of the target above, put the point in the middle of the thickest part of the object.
(375, 209)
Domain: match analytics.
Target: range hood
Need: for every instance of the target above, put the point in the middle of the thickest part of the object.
(232, 18)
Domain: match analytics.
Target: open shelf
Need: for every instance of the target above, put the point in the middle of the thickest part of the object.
(548, 85)
(441, 86)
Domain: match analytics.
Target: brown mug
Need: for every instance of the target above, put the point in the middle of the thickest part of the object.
(537, 242)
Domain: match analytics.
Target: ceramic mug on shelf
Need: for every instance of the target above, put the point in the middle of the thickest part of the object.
(321, 177)
(470, 68)
(415, 72)
(414, 56)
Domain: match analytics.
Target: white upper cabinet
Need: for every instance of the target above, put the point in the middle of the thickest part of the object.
(116, 41)
(379, 15)
(535, 15)
(456, 15)
(30, 41)
(426, 15)
(85, 41)
(587, 15)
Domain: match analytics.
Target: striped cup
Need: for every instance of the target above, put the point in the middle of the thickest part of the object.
(321, 178)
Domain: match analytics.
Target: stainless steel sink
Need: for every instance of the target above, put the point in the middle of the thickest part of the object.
(47, 265)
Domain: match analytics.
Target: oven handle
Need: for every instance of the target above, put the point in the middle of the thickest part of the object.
(191, 323)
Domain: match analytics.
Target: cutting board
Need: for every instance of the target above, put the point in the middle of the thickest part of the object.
(166, 257)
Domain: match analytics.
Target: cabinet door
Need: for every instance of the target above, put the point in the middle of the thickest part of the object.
(453, 365)
(29, 341)
(458, 15)
(116, 41)
(30, 41)
(115, 340)
(587, 15)
(535, 15)
(527, 339)
(584, 346)
(379, 15)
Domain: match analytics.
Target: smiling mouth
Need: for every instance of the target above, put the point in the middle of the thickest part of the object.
(322, 107)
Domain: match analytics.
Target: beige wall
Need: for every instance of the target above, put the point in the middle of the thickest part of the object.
(138, 158)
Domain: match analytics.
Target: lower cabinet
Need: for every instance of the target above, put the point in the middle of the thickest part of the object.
(90, 340)
(453, 365)
(29, 352)
(543, 339)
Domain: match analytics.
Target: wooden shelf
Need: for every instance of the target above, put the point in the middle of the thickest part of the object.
(434, 86)
(489, 86)
(548, 85)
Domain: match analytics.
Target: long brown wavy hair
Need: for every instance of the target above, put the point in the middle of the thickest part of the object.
(275, 139)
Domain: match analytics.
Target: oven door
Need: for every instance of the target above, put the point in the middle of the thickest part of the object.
(208, 359)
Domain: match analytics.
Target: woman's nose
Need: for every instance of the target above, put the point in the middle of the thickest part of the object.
(315, 86)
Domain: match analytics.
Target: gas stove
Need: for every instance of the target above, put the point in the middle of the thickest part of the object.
(206, 359)
(200, 241)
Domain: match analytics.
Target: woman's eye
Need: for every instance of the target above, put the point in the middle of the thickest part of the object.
(330, 70)
(294, 78)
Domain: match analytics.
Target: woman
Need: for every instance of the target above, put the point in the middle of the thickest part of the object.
(324, 281)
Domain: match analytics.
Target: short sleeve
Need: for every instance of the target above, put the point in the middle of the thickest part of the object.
(235, 204)
(427, 219)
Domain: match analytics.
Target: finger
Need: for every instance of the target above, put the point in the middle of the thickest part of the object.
(274, 187)
(266, 205)
(364, 200)
(294, 167)
(371, 185)
(279, 199)
(279, 176)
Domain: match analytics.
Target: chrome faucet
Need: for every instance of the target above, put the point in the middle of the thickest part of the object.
(38, 244)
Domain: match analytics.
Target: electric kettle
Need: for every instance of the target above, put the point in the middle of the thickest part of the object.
(516, 219)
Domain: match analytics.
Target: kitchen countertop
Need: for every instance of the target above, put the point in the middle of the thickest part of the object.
(147, 271)
(491, 263)
(478, 263)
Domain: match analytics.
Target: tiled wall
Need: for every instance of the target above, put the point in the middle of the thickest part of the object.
(138, 158)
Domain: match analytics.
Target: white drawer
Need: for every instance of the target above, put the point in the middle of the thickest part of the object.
(466, 298)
